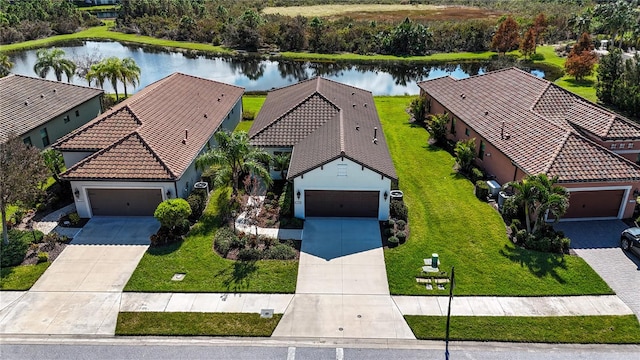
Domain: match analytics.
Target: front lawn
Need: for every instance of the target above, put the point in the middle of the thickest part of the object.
(205, 270)
(251, 103)
(553, 329)
(21, 277)
(446, 218)
(189, 324)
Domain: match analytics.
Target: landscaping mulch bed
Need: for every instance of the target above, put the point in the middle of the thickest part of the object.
(53, 249)
(66, 222)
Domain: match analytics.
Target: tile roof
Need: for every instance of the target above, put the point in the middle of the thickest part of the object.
(160, 116)
(536, 123)
(28, 102)
(323, 120)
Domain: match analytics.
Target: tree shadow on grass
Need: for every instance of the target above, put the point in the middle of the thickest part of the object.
(238, 276)
(540, 264)
(585, 83)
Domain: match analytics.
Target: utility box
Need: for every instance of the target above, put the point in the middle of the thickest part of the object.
(434, 260)
(494, 188)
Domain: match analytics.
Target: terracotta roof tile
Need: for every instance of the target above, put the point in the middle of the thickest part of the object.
(166, 112)
(531, 120)
(319, 118)
(27, 102)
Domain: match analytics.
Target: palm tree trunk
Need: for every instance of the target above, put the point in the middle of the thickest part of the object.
(5, 231)
(527, 219)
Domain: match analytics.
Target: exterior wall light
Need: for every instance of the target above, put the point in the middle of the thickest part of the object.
(76, 192)
(168, 193)
(386, 195)
(298, 194)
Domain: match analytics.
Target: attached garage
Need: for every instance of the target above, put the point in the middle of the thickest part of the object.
(593, 204)
(323, 203)
(124, 202)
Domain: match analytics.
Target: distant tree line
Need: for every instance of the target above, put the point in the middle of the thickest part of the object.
(33, 19)
(619, 82)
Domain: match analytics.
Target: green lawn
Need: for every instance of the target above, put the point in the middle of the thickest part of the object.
(21, 277)
(559, 329)
(446, 218)
(251, 103)
(205, 270)
(202, 324)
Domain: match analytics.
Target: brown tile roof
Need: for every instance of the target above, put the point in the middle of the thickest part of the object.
(27, 102)
(159, 115)
(323, 120)
(533, 121)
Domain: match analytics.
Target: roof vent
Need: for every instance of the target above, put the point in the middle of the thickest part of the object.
(357, 127)
(486, 113)
(186, 136)
(353, 93)
(205, 115)
(41, 96)
(365, 104)
(463, 96)
(375, 141)
(354, 105)
(218, 99)
(26, 102)
(55, 90)
(375, 135)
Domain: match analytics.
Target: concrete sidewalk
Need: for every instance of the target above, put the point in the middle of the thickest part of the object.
(204, 302)
(513, 306)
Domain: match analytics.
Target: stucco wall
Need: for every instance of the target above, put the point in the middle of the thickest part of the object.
(357, 178)
(82, 204)
(275, 175)
(233, 118)
(73, 157)
(57, 127)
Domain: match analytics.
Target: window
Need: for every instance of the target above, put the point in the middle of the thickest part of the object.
(66, 119)
(77, 113)
(27, 140)
(453, 125)
(467, 132)
(614, 146)
(342, 169)
(630, 146)
(45, 137)
(481, 152)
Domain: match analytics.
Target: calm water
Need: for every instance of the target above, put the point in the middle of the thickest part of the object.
(256, 74)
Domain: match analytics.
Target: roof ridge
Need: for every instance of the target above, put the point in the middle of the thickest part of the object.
(53, 81)
(155, 155)
(537, 101)
(554, 157)
(342, 147)
(345, 85)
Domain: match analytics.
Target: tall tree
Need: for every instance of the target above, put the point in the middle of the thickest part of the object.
(54, 161)
(5, 65)
(506, 37)
(617, 17)
(317, 29)
(233, 157)
(581, 59)
(528, 45)
(609, 70)
(22, 170)
(53, 60)
(130, 73)
(540, 26)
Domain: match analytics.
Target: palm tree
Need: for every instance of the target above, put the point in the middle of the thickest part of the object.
(235, 156)
(281, 163)
(5, 65)
(53, 60)
(96, 72)
(465, 152)
(525, 195)
(130, 73)
(112, 69)
(552, 199)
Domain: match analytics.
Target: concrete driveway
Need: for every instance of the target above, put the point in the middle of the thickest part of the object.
(342, 288)
(598, 243)
(80, 292)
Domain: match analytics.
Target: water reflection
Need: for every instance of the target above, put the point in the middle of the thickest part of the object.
(255, 74)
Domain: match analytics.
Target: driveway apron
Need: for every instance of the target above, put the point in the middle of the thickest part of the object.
(598, 243)
(80, 292)
(342, 288)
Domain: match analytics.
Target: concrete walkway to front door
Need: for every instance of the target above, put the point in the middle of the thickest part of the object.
(80, 292)
(342, 288)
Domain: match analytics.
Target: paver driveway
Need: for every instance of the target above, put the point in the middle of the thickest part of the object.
(342, 288)
(597, 242)
(80, 292)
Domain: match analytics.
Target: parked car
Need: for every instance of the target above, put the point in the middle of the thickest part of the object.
(630, 240)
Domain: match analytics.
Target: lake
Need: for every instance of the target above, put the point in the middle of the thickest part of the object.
(255, 74)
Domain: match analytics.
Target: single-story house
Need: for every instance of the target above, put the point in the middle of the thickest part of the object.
(143, 150)
(340, 164)
(42, 111)
(525, 125)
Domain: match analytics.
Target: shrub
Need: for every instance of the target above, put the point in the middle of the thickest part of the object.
(13, 253)
(393, 241)
(391, 223)
(43, 257)
(280, 252)
(268, 241)
(389, 231)
(249, 254)
(74, 218)
(51, 237)
(482, 190)
(182, 228)
(223, 239)
(402, 236)
(401, 224)
(270, 195)
(476, 174)
(197, 206)
(286, 201)
(248, 115)
(171, 213)
(238, 242)
(399, 210)
(521, 236)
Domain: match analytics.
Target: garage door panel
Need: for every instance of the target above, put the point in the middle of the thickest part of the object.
(600, 203)
(323, 203)
(124, 202)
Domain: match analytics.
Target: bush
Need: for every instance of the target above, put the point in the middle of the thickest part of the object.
(286, 201)
(248, 115)
(238, 242)
(393, 241)
(249, 254)
(197, 202)
(51, 237)
(74, 218)
(390, 223)
(13, 253)
(402, 236)
(476, 174)
(482, 190)
(43, 257)
(280, 252)
(171, 213)
(401, 224)
(223, 239)
(399, 210)
(182, 228)
(268, 241)
(270, 196)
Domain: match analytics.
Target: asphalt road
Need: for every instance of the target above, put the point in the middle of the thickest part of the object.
(199, 348)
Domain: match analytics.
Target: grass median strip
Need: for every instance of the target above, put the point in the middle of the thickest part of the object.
(557, 329)
(21, 277)
(188, 324)
(446, 218)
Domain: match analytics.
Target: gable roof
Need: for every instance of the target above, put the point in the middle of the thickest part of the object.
(142, 137)
(323, 120)
(28, 102)
(538, 125)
